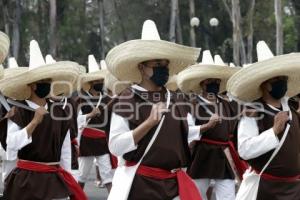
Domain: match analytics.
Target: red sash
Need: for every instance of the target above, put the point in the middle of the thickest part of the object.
(187, 188)
(279, 178)
(77, 192)
(241, 165)
(93, 133)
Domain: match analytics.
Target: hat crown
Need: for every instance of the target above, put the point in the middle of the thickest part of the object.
(36, 58)
(219, 60)
(149, 31)
(12, 63)
(103, 65)
(93, 65)
(263, 51)
(207, 58)
(49, 59)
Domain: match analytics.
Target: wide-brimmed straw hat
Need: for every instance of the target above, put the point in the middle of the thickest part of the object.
(4, 46)
(114, 85)
(123, 60)
(13, 69)
(172, 83)
(189, 79)
(95, 72)
(245, 84)
(18, 87)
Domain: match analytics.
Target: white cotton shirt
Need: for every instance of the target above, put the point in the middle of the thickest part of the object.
(251, 143)
(17, 138)
(121, 139)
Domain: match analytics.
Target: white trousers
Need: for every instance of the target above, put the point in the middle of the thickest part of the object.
(224, 189)
(104, 164)
(7, 167)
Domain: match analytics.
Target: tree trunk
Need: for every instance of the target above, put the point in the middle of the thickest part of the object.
(172, 30)
(120, 20)
(279, 28)
(52, 18)
(101, 24)
(192, 29)
(178, 27)
(16, 30)
(250, 35)
(236, 31)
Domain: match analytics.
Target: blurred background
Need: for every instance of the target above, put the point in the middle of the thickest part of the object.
(72, 29)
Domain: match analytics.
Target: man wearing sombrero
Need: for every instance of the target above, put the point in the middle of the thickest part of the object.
(209, 158)
(268, 137)
(36, 131)
(92, 125)
(8, 165)
(152, 144)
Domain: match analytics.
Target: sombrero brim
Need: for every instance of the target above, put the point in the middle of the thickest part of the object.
(189, 80)
(4, 46)
(123, 60)
(85, 78)
(114, 85)
(245, 84)
(63, 75)
(172, 83)
(11, 72)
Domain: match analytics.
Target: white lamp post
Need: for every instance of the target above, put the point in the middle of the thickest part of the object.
(214, 22)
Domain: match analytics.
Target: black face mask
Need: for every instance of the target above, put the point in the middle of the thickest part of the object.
(42, 89)
(279, 89)
(160, 75)
(213, 88)
(98, 87)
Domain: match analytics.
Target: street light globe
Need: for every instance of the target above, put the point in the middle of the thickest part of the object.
(195, 22)
(214, 22)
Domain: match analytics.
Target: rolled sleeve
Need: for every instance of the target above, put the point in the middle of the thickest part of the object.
(121, 139)
(17, 138)
(251, 144)
(194, 131)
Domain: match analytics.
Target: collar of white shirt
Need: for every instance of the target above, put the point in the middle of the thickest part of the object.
(34, 105)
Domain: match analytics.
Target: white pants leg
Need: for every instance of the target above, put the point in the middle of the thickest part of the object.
(225, 189)
(7, 167)
(85, 166)
(202, 185)
(105, 169)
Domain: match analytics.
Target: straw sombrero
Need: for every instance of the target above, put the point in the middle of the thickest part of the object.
(13, 69)
(123, 60)
(189, 80)
(245, 84)
(95, 72)
(172, 83)
(17, 87)
(4, 46)
(114, 85)
(72, 86)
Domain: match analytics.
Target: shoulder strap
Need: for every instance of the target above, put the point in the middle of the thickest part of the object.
(287, 128)
(157, 129)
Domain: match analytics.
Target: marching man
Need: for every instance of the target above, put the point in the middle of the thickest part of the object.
(269, 136)
(42, 142)
(213, 152)
(152, 146)
(92, 125)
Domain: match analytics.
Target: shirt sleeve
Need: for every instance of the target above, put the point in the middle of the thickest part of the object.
(194, 131)
(65, 158)
(16, 139)
(251, 144)
(82, 122)
(120, 137)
